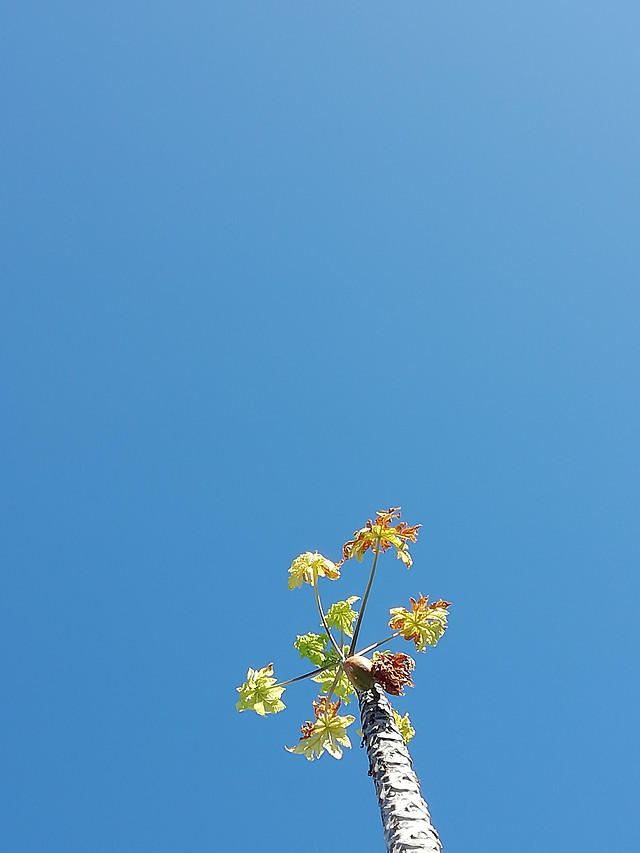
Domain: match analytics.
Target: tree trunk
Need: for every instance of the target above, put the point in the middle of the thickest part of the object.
(405, 815)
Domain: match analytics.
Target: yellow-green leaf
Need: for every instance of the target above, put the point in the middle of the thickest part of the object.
(381, 531)
(308, 567)
(314, 647)
(404, 724)
(342, 688)
(258, 693)
(424, 623)
(341, 615)
(329, 732)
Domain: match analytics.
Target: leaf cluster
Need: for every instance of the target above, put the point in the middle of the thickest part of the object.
(339, 669)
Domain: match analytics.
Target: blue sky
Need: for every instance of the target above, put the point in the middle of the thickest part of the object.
(269, 267)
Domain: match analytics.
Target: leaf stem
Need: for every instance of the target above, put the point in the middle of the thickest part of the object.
(333, 663)
(324, 621)
(307, 674)
(375, 645)
(330, 694)
(364, 600)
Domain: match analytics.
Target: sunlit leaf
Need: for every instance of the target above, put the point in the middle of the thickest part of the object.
(313, 647)
(308, 567)
(342, 688)
(328, 732)
(424, 623)
(341, 615)
(259, 694)
(404, 724)
(397, 536)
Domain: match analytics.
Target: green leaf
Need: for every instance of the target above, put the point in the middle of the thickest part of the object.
(258, 693)
(424, 623)
(329, 732)
(309, 567)
(313, 647)
(385, 534)
(341, 616)
(343, 688)
(404, 724)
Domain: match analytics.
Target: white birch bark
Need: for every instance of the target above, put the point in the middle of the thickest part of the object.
(405, 815)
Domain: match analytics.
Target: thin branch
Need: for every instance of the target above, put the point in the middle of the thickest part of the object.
(324, 621)
(330, 694)
(375, 645)
(333, 663)
(307, 674)
(364, 600)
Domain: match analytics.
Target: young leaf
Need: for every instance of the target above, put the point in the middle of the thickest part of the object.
(259, 694)
(313, 647)
(341, 616)
(329, 732)
(342, 688)
(308, 567)
(404, 724)
(398, 537)
(424, 624)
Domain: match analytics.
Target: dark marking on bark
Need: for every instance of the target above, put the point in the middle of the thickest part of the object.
(405, 815)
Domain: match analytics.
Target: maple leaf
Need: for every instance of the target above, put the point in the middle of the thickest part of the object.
(328, 732)
(383, 531)
(259, 694)
(424, 624)
(308, 567)
(392, 670)
(404, 724)
(314, 647)
(341, 616)
(342, 688)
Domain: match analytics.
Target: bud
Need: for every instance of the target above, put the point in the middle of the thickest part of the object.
(358, 671)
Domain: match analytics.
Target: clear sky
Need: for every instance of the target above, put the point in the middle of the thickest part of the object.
(268, 267)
